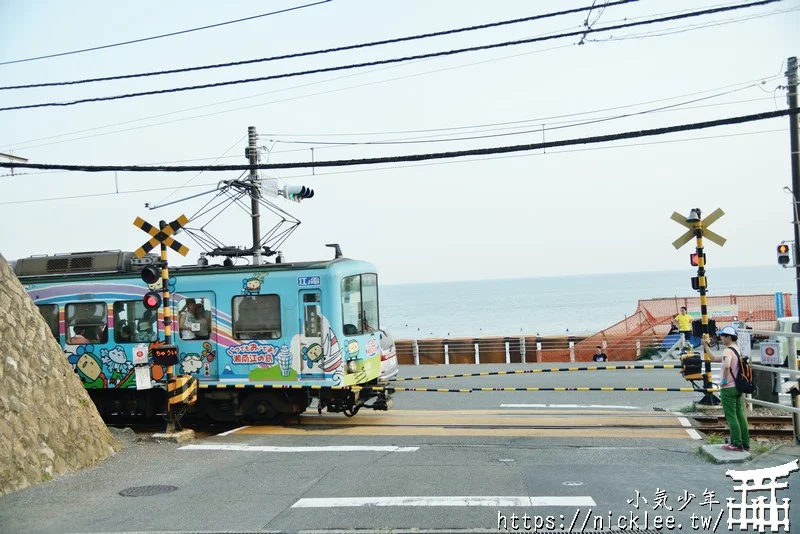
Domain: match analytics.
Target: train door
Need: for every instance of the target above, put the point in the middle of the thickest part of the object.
(310, 333)
(195, 332)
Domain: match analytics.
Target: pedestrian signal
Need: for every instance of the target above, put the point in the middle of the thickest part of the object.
(151, 300)
(783, 255)
(150, 274)
(694, 259)
(297, 192)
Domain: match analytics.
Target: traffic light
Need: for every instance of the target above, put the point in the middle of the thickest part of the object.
(297, 192)
(151, 274)
(151, 300)
(693, 259)
(783, 255)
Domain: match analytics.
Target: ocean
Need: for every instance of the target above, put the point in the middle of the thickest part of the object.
(553, 305)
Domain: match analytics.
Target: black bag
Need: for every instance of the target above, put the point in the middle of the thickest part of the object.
(744, 378)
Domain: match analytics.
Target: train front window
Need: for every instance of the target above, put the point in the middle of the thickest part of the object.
(360, 304)
(50, 314)
(257, 317)
(87, 323)
(133, 323)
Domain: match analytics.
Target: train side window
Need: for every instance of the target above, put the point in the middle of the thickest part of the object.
(133, 323)
(257, 317)
(194, 318)
(87, 322)
(50, 314)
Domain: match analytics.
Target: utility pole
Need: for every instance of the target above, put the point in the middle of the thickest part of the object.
(791, 78)
(255, 191)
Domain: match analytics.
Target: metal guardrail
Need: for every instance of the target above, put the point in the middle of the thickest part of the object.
(791, 370)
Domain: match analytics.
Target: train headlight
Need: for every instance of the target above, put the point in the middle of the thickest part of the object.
(352, 366)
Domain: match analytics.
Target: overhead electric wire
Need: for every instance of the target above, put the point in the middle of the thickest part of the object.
(24, 144)
(426, 139)
(395, 60)
(354, 171)
(417, 157)
(543, 129)
(691, 27)
(318, 52)
(161, 36)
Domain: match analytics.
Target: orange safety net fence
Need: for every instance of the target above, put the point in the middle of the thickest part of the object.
(651, 322)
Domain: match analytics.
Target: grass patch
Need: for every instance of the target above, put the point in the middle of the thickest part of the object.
(715, 439)
(688, 409)
(760, 448)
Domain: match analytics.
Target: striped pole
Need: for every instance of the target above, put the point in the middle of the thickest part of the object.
(708, 399)
(167, 323)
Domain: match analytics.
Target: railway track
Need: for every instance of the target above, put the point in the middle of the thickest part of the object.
(760, 426)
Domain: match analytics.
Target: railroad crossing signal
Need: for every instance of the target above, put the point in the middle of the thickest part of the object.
(698, 228)
(166, 354)
(705, 223)
(161, 236)
(783, 255)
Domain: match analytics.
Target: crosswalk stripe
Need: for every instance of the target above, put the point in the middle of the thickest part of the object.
(268, 448)
(496, 501)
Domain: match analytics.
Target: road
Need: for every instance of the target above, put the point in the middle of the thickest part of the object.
(451, 461)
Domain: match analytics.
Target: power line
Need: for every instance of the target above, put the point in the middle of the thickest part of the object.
(396, 60)
(317, 52)
(417, 157)
(159, 36)
(352, 171)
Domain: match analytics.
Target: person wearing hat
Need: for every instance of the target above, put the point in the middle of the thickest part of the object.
(732, 402)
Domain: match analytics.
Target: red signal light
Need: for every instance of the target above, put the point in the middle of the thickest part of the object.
(694, 259)
(151, 300)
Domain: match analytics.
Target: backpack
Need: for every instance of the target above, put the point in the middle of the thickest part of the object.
(744, 377)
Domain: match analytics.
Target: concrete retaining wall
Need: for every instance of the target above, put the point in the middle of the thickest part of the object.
(48, 424)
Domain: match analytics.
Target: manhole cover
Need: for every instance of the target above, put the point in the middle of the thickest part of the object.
(146, 491)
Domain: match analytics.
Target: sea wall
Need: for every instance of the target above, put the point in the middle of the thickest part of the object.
(525, 349)
(48, 424)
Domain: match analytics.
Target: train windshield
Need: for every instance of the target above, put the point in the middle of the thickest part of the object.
(360, 304)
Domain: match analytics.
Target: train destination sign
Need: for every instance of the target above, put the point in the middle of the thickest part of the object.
(164, 355)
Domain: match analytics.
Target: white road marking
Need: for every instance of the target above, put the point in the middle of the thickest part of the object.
(689, 430)
(597, 406)
(497, 501)
(234, 430)
(267, 448)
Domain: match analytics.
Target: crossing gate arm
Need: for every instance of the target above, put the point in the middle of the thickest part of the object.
(545, 370)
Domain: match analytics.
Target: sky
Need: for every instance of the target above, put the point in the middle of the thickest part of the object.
(585, 209)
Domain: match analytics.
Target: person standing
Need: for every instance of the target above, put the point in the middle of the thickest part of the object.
(599, 355)
(732, 402)
(684, 323)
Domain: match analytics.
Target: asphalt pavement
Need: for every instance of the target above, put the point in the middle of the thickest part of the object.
(324, 476)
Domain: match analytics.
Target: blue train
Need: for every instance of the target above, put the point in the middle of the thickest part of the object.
(261, 340)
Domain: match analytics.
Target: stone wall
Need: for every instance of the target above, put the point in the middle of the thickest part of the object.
(48, 424)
